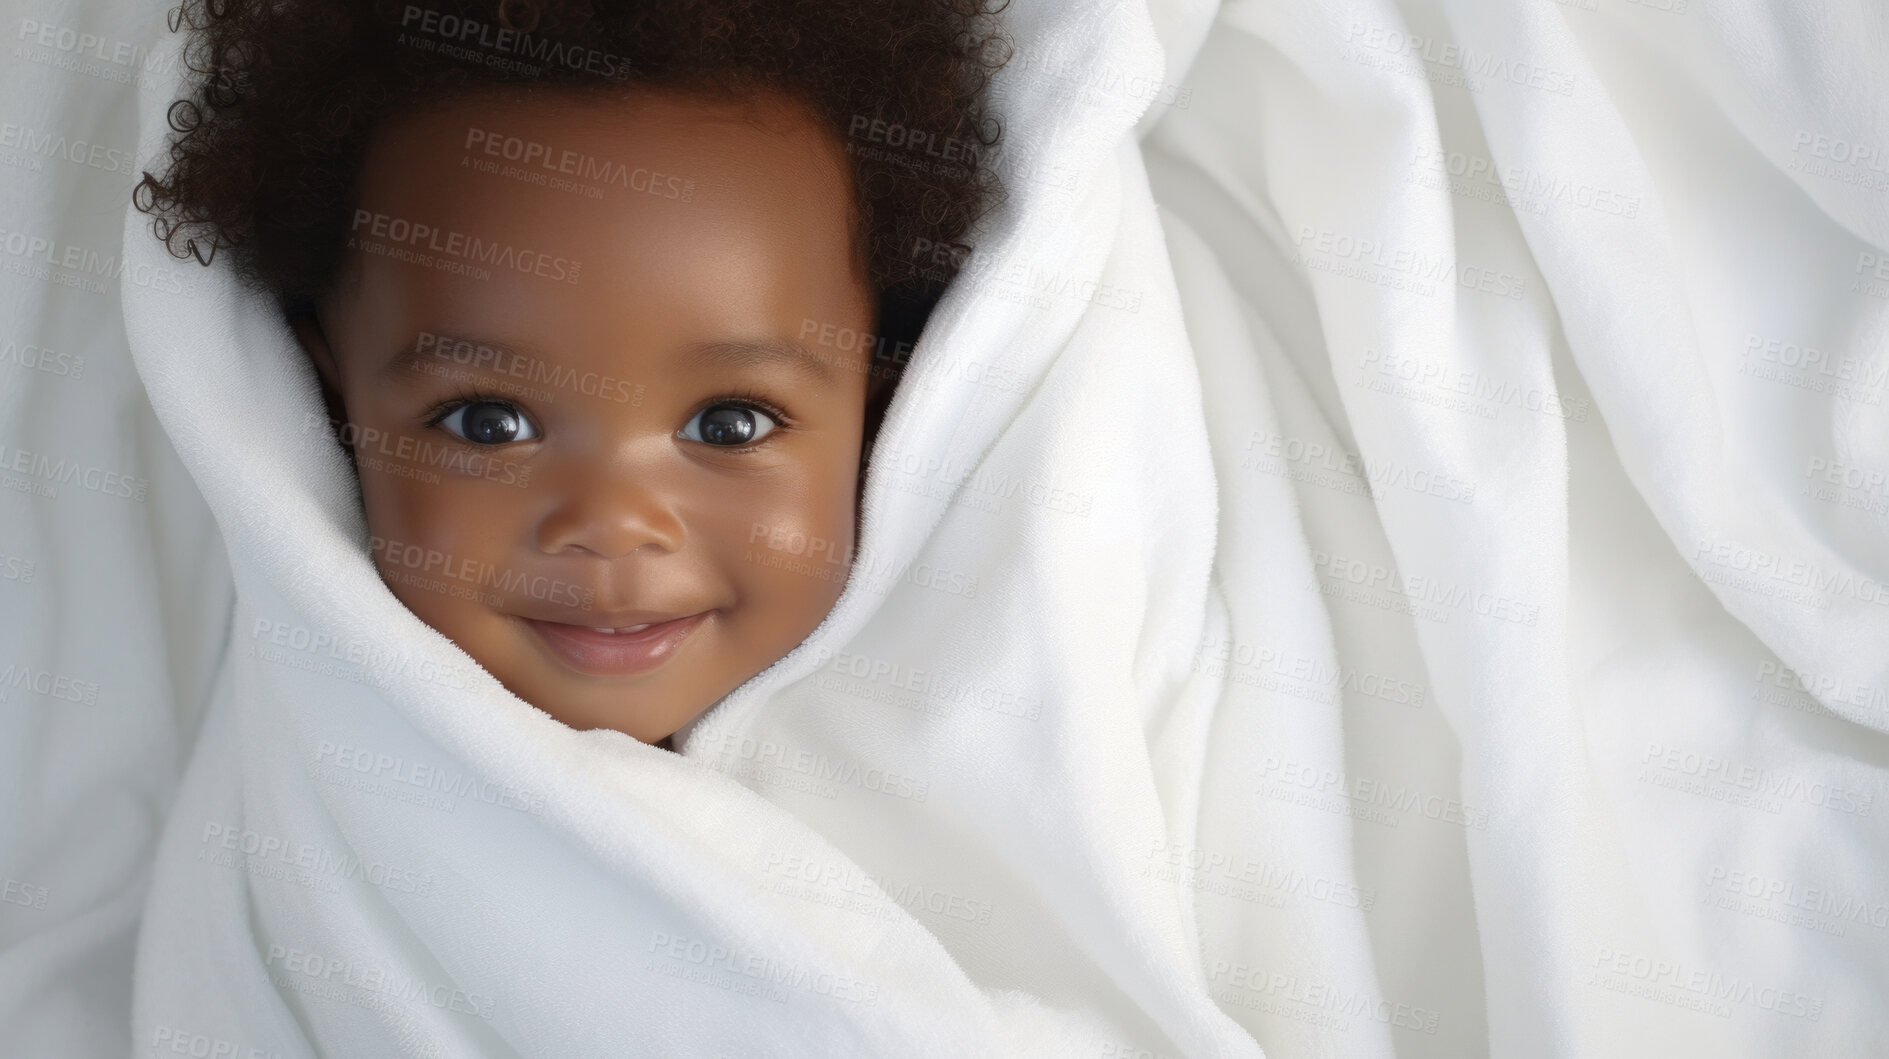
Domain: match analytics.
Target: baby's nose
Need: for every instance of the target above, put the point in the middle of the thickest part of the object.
(611, 515)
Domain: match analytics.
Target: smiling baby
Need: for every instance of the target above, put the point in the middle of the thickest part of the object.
(606, 303)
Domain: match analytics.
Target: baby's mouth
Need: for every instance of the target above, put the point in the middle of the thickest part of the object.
(624, 650)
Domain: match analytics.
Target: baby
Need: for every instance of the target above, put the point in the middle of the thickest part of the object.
(606, 300)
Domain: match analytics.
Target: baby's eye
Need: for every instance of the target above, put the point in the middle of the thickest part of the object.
(489, 423)
(729, 425)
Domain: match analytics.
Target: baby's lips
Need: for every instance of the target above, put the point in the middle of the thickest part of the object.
(618, 619)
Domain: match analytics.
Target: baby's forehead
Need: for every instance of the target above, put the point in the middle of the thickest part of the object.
(673, 182)
(585, 131)
(495, 215)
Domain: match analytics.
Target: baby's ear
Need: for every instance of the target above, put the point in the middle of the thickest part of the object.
(315, 343)
(879, 389)
(877, 383)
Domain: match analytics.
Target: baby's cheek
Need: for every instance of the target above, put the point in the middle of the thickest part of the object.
(396, 506)
(427, 540)
(793, 563)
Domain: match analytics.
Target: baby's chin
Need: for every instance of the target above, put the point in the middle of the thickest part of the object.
(647, 720)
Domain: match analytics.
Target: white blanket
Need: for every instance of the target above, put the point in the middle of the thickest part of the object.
(1592, 296)
(1416, 591)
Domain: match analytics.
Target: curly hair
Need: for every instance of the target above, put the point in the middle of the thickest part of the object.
(283, 96)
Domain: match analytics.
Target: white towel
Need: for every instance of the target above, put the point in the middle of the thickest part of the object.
(1416, 591)
(1584, 292)
(948, 872)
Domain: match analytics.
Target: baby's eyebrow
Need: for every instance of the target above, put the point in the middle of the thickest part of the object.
(465, 351)
(425, 351)
(744, 354)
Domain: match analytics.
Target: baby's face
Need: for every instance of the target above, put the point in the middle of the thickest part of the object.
(572, 412)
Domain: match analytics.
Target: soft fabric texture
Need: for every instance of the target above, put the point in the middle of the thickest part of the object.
(947, 873)
(1416, 590)
(1585, 298)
